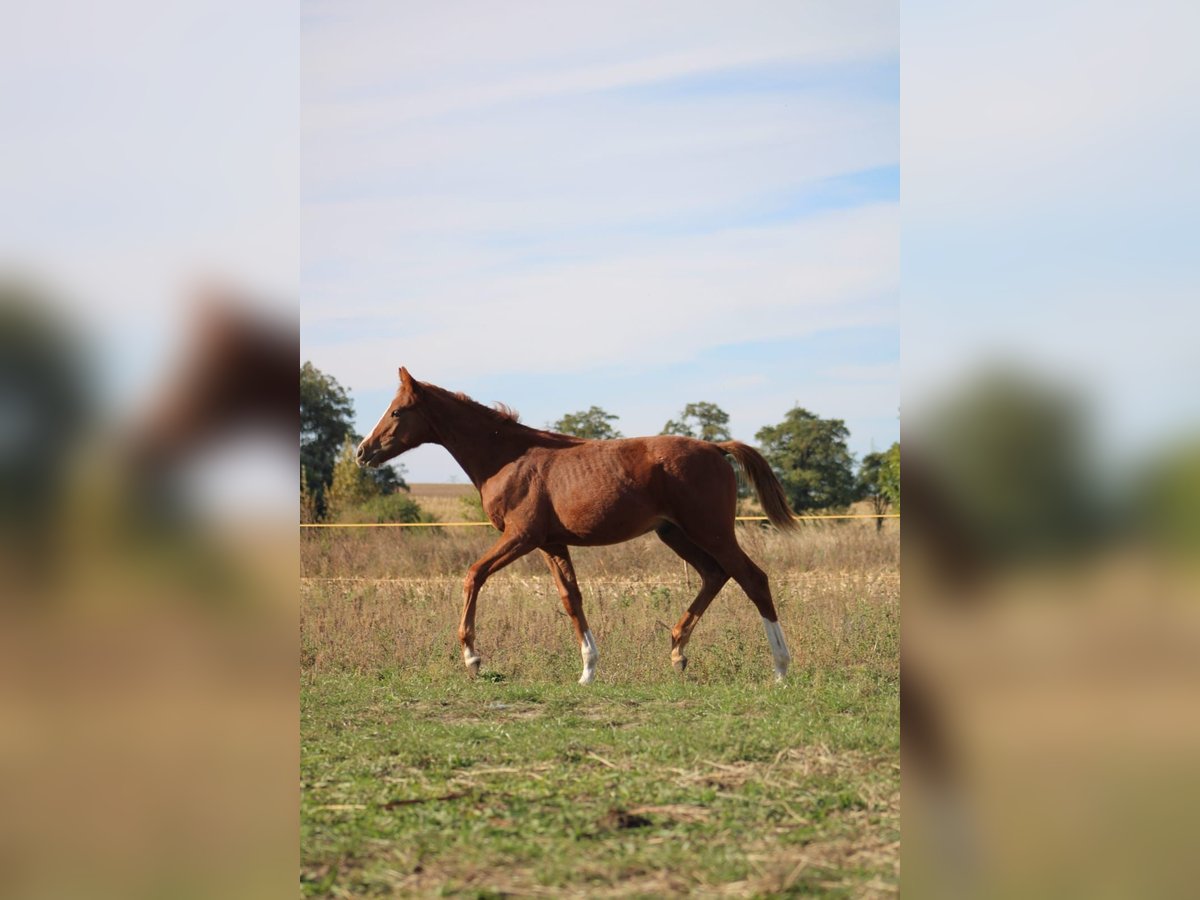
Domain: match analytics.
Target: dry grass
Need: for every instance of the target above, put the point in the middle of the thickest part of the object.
(392, 598)
(422, 491)
(422, 552)
(443, 501)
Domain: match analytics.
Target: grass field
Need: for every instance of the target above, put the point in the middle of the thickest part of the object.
(418, 780)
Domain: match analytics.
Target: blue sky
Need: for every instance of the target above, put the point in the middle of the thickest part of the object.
(560, 205)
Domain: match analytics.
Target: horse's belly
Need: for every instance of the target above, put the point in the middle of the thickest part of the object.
(605, 510)
(587, 534)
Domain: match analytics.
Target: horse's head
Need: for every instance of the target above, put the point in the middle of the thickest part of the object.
(401, 427)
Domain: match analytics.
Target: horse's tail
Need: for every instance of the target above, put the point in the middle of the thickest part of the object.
(765, 484)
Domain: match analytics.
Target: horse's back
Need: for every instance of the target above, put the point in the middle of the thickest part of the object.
(642, 463)
(611, 491)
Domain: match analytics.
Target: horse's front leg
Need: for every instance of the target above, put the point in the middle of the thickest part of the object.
(559, 560)
(504, 551)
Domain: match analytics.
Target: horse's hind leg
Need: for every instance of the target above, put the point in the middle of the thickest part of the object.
(559, 560)
(712, 579)
(754, 582)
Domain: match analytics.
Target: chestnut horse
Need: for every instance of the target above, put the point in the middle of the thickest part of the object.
(548, 491)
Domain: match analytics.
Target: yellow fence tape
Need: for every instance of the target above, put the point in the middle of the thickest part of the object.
(489, 524)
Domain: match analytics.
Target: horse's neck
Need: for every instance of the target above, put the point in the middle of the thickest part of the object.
(479, 443)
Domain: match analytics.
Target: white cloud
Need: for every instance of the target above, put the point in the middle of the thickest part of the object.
(500, 51)
(879, 373)
(1086, 108)
(665, 302)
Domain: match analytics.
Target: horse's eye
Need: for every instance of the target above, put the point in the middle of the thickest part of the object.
(396, 413)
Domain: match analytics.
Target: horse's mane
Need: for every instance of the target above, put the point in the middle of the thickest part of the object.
(505, 414)
(501, 412)
(498, 410)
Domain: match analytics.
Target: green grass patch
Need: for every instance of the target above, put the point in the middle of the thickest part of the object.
(491, 787)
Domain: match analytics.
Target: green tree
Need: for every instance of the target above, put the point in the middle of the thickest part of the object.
(350, 487)
(811, 458)
(1165, 496)
(1010, 458)
(889, 476)
(384, 508)
(472, 507)
(594, 424)
(875, 481)
(308, 503)
(705, 421)
(354, 496)
(326, 423)
(389, 477)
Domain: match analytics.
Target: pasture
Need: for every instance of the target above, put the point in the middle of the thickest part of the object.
(418, 780)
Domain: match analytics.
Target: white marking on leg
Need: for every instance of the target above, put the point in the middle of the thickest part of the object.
(590, 654)
(470, 657)
(677, 657)
(779, 650)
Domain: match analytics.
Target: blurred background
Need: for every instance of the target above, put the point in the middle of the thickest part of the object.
(148, 343)
(1052, 450)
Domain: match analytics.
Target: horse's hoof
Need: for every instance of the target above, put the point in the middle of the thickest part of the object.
(680, 665)
(473, 666)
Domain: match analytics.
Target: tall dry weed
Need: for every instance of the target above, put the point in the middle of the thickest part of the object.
(376, 599)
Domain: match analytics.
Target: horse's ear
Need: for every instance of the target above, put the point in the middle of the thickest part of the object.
(405, 379)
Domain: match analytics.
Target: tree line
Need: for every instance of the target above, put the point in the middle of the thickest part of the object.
(808, 454)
